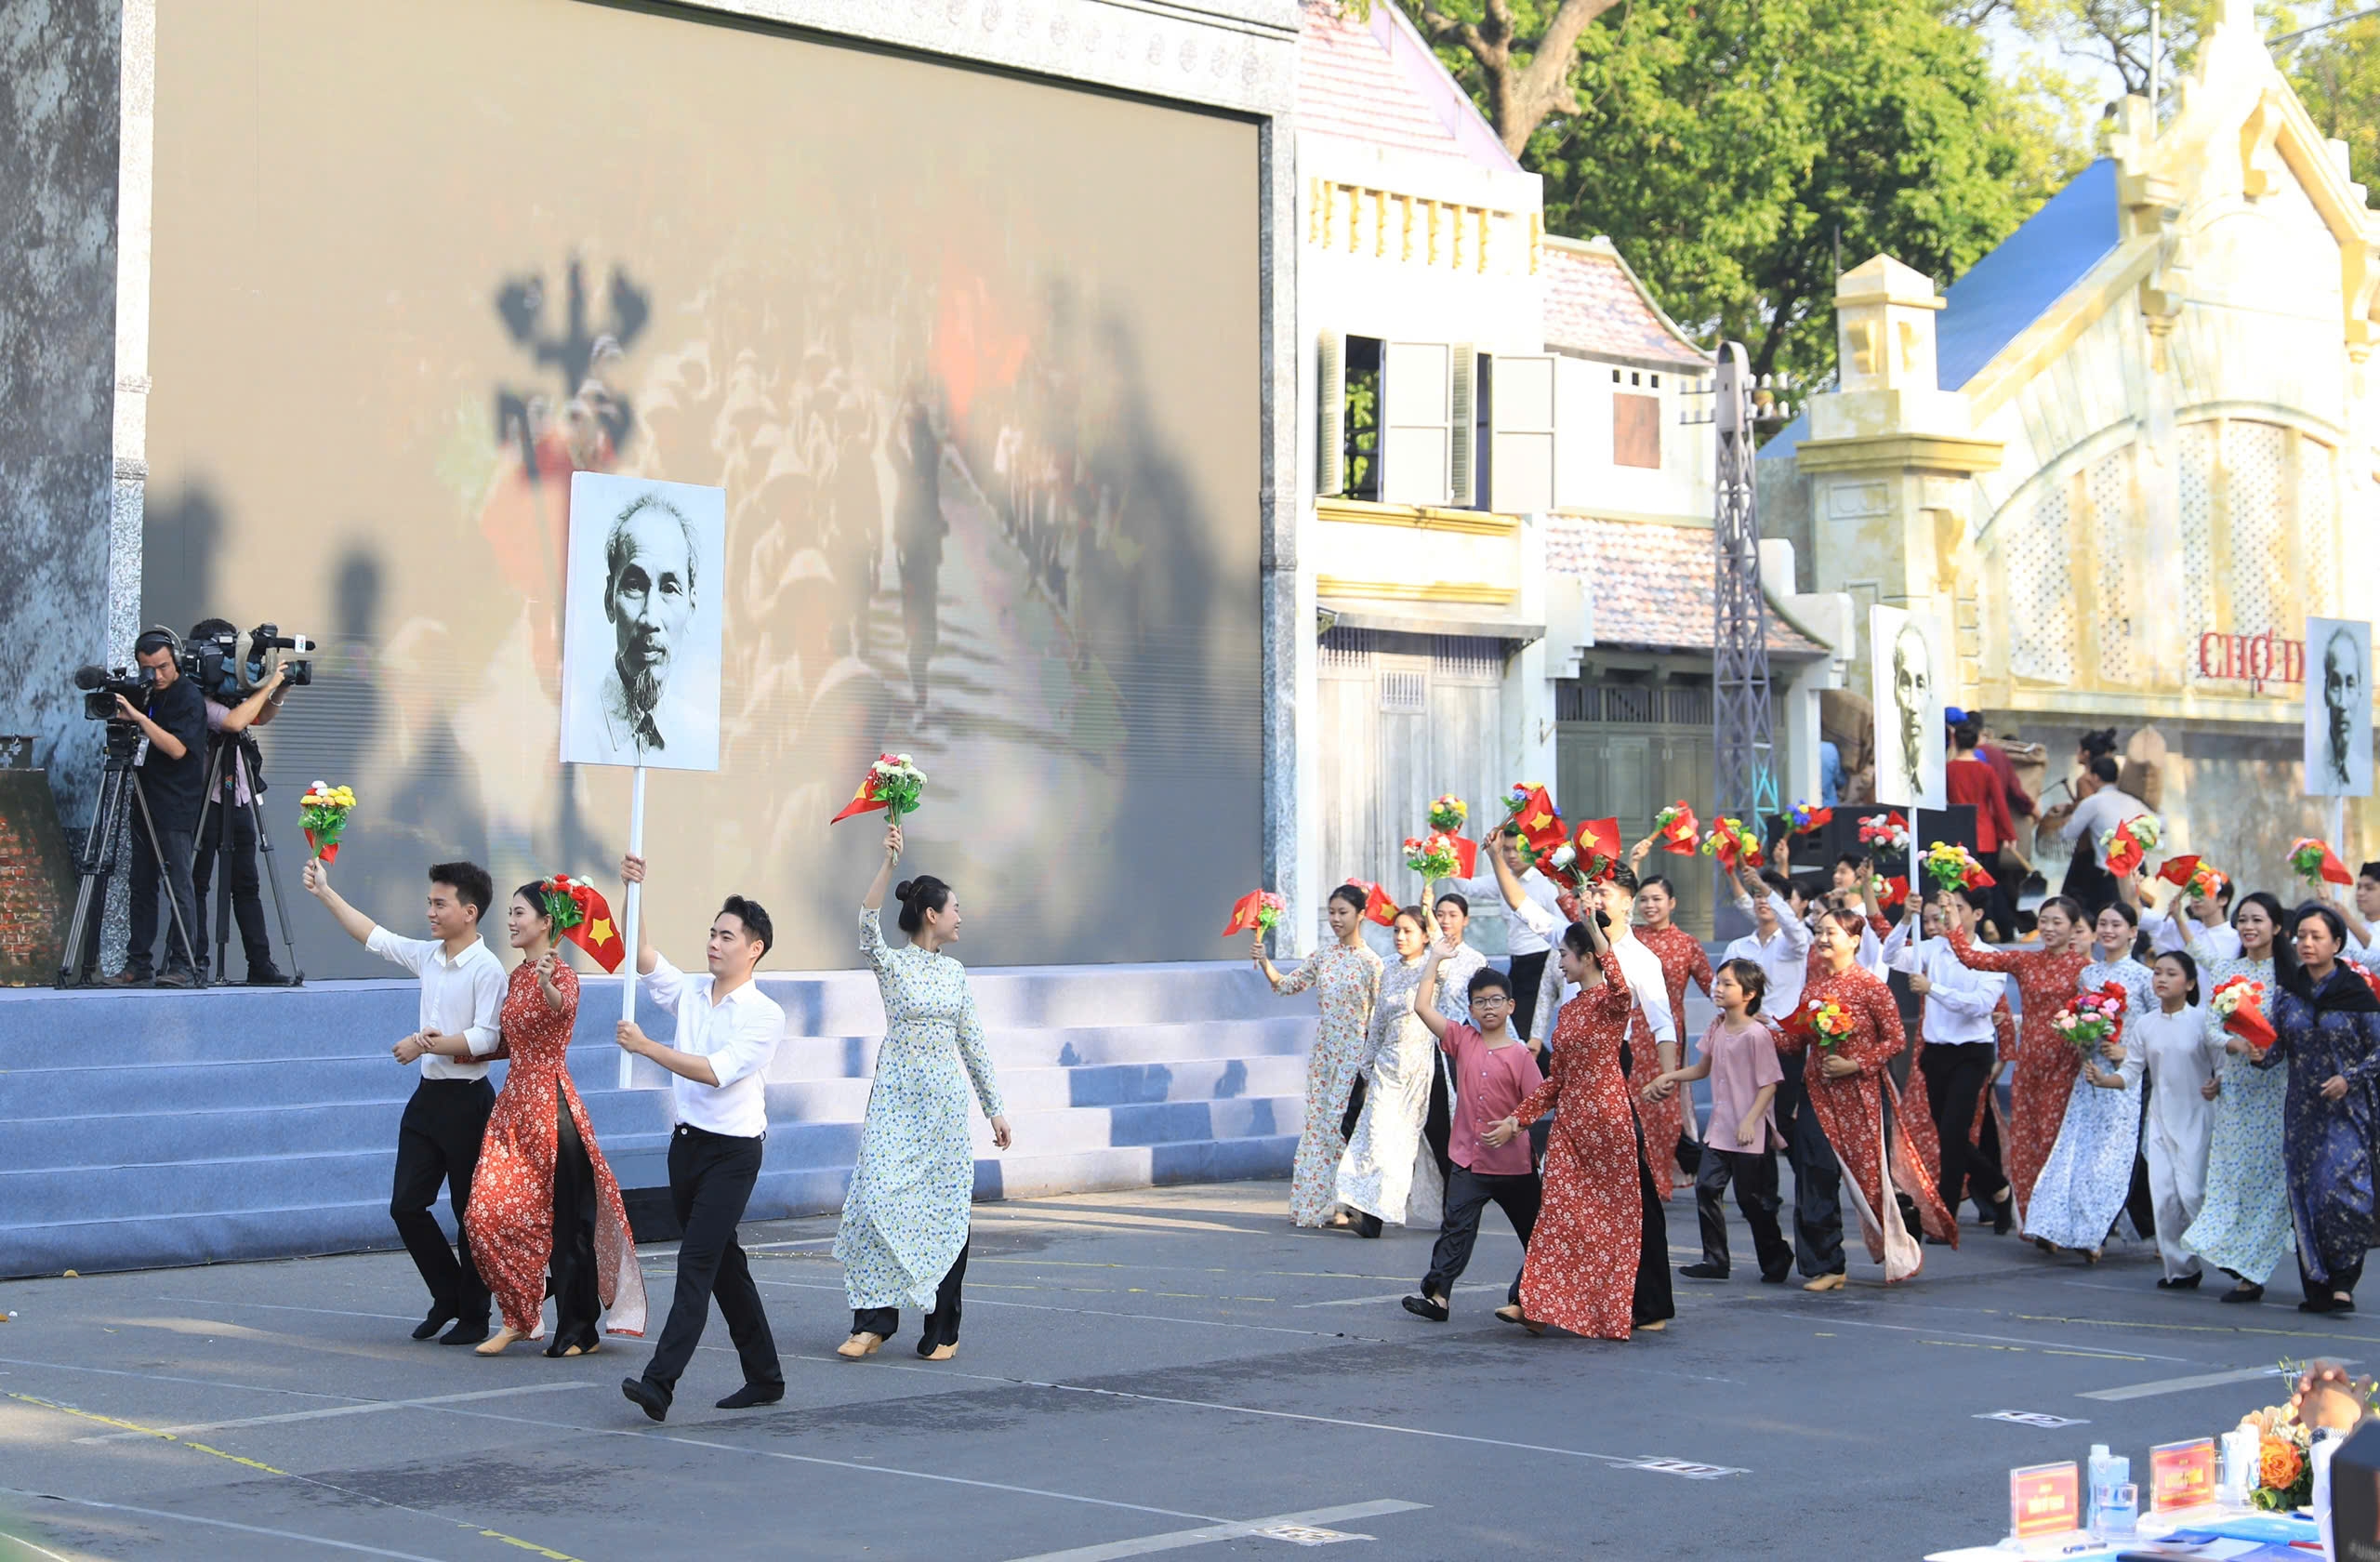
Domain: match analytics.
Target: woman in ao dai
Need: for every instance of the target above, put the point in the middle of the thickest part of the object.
(2182, 1058)
(2088, 1175)
(1347, 975)
(2243, 1226)
(904, 1237)
(1387, 1172)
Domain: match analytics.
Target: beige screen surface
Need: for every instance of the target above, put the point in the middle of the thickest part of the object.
(974, 357)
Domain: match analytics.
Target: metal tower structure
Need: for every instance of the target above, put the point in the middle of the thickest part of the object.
(1744, 768)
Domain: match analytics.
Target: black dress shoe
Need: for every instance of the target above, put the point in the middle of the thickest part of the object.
(2243, 1291)
(440, 1317)
(1366, 1225)
(266, 976)
(753, 1394)
(2178, 1283)
(1703, 1272)
(1779, 1277)
(465, 1334)
(1426, 1308)
(647, 1395)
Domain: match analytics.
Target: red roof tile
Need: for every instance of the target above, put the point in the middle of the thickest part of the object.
(1652, 585)
(1594, 305)
(1376, 81)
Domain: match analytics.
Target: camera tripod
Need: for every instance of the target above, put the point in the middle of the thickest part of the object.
(96, 864)
(226, 749)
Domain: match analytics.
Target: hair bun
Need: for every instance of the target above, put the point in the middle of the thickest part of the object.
(901, 891)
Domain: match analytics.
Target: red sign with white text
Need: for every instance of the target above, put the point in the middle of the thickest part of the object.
(2181, 1475)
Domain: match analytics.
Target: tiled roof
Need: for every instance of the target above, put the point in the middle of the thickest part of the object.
(1652, 585)
(1376, 81)
(1595, 305)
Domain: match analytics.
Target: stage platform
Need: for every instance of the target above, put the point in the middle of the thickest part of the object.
(148, 1128)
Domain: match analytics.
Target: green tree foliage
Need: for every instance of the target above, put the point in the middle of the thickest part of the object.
(1726, 146)
(2337, 73)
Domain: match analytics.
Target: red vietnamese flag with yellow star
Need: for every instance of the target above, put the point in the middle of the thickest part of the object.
(1378, 907)
(1539, 821)
(592, 929)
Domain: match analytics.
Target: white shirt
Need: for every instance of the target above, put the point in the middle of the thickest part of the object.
(461, 995)
(1646, 985)
(1530, 927)
(1958, 1012)
(2100, 813)
(739, 1034)
(1784, 959)
(2172, 936)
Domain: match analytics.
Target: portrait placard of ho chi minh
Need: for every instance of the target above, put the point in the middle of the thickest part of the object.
(645, 615)
(2338, 708)
(1905, 653)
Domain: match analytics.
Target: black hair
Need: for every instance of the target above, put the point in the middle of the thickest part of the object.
(1970, 895)
(2189, 972)
(1455, 898)
(2098, 744)
(2283, 956)
(211, 628)
(1352, 895)
(468, 880)
(152, 641)
(1660, 878)
(1418, 918)
(1850, 860)
(2122, 909)
(1968, 733)
(2104, 769)
(1776, 881)
(1574, 938)
(1626, 879)
(918, 897)
(1751, 978)
(755, 919)
(534, 892)
(2330, 919)
(2067, 903)
(2369, 870)
(1487, 978)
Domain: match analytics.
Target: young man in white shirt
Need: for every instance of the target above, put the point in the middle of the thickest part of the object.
(1962, 1047)
(727, 1033)
(462, 994)
(1530, 925)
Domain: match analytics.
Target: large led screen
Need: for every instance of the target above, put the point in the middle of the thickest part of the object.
(974, 358)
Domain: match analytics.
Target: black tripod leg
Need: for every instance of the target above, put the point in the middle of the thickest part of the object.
(80, 963)
(271, 875)
(221, 867)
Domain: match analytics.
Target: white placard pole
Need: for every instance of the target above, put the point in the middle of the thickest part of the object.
(629, 915)
(2338, 827)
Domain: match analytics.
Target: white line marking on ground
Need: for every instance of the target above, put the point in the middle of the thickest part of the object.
(1182, 1538)
(978, 1301)
(224, 1524)
(1393, 1296)
(277, 1307)
(2011, 1340)
(2178, 1385)
(19, 1539)
(371, 1406)
(160, 1377)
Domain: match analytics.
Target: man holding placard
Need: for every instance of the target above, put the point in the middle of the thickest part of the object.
(727, 1033)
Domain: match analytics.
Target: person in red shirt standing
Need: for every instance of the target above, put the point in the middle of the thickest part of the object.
(1970, 781)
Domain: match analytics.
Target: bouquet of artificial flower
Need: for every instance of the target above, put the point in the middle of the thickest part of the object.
(2238, 1002)
(322, 813)
(1889, 892)
(1449, 814)
(1676, 826)
(1886, 832)
(2128, 845)
(2090, 1018)
(2197, 880)
(2284, 1477)
(2317, 864)
(1731, 841)
(1807, 816)
(1951, 867)
(1432, 857)
(1257, 911)
(1820, 1021)
(582, 916)
(893, 783)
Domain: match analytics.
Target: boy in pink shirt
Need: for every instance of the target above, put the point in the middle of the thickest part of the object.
(1740, 1059)
(1492, 1071)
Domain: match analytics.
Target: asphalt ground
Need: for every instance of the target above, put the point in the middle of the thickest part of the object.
(1142, 1373)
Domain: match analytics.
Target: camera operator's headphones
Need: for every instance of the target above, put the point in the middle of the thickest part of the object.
(173, 640)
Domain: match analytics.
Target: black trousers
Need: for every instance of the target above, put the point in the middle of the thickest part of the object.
(1437, 1124)
(941, 1327)
(148, 877)
(577, 1301)
(1954, 1082)
(2343, 1280)
(1528, 971)
(439, 1142)
(1817, 1199)
(1468, 1196)
(711, 1182)
(1755, 1180)
(1655, 1302)
(240, 867)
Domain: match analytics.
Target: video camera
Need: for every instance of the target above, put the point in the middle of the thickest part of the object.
(224, 676)
(101, 685)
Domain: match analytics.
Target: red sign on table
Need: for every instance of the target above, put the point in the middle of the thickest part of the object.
(2181, 1475)
(2045, 1500)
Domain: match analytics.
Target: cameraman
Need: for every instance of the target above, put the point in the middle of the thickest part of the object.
(173, 777)
(232, 796)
